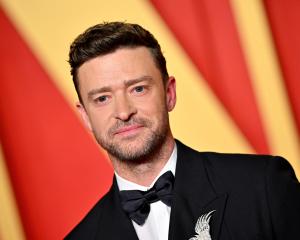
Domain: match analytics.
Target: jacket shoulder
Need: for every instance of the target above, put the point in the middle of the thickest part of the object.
(225, 161)
(250, 170)
(236, 162)
(235, 169)
(245, 165)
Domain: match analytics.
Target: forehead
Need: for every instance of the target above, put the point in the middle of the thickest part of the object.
(119, 66)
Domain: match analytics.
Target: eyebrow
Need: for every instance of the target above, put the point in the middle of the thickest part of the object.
(127, 83)
(130, 82)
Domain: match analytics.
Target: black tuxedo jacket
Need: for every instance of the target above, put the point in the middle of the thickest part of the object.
(254, 197)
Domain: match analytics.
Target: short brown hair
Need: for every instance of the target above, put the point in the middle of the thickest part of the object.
(105, 38)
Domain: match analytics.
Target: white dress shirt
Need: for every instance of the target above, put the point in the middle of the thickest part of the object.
(156, 226)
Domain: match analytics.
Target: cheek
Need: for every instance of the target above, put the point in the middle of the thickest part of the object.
(99, 121)
(154, 104)
(154, 111)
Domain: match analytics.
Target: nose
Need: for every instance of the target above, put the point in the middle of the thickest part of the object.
(124, 108)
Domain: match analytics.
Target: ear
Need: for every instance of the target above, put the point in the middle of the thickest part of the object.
(84, 116)
(171, 93)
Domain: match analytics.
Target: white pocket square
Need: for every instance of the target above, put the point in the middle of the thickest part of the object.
(202, 227)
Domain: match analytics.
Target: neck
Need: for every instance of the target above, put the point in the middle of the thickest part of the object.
(144, 173)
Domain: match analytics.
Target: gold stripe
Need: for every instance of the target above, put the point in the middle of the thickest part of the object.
(267, 79)
(10, 225)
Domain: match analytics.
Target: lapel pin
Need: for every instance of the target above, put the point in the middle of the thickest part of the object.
(202, 227)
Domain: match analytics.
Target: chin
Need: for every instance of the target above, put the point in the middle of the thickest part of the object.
(134, 148)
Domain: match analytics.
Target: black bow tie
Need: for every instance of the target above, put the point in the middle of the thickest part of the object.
(137, 203)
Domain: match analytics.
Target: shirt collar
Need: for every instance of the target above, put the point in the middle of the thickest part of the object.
(124, 184)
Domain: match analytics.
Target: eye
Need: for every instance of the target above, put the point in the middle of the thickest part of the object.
(101, 99)
(139, 89)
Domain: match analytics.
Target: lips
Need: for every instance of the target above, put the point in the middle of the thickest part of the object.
(127, 129)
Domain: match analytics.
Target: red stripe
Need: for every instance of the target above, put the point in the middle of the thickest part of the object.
(207, 31)
(56, 169)
(284, 18)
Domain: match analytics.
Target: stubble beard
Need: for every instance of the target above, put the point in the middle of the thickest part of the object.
(131, 152)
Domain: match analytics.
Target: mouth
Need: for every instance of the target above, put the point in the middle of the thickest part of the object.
(128, 130)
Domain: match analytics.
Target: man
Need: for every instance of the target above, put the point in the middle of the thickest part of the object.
(162, 189)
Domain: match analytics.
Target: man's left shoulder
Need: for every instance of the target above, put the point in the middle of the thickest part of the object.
(232, 163)
(236, 161)
(249, 165)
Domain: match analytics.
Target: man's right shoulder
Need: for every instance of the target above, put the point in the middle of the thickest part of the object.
(87, 227)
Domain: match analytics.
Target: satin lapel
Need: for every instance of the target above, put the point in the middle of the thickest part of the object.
(193, 196)
(116, 224)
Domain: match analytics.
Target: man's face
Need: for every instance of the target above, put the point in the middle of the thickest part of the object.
(126, 103)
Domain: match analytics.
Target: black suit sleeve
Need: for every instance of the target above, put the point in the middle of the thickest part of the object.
(283, 193)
